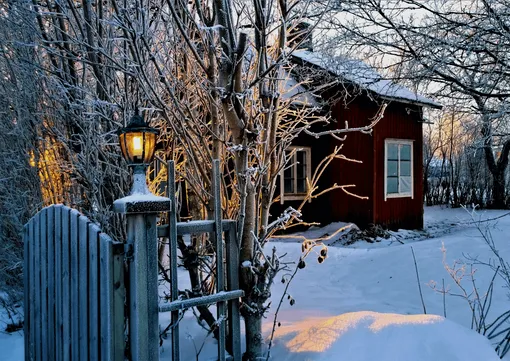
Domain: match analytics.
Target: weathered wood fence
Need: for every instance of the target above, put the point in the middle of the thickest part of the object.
(77, 305)
(74, 289)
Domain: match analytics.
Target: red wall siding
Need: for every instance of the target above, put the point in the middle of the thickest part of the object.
(368, 177)
(357, 146)
(400, 122)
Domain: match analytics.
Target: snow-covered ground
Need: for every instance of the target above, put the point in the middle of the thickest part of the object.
(377, 276)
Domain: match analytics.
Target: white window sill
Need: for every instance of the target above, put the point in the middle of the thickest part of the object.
(294, 197)
(399, 195)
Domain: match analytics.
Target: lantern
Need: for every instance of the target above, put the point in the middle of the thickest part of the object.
(138, 142)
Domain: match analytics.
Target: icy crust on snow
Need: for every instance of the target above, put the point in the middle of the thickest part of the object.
(359, 73)
(368, 336)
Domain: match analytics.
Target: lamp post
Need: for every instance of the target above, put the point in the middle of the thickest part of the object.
(138, 143)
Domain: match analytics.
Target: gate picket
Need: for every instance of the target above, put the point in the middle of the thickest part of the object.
(62, 274)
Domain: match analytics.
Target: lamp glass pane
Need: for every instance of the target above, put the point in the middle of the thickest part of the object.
(134, 144)
(150, 147)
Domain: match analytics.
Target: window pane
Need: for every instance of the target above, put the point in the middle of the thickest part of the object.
(288, 180)
(392, 168)
(301, 185)
(392, 185)
(405, 168)
(301, 164)
(392, 151)
(405, 152)
(405, 184)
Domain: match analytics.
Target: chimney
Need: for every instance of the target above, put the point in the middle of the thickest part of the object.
(300, 32)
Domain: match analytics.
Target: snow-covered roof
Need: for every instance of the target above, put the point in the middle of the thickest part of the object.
(361, 74)
(296, 92)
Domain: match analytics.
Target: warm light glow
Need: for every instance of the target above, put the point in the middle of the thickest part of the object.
(137, 146)
(319, 334)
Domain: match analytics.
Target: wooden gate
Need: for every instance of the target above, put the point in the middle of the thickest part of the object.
(74, 289)
(226, 245)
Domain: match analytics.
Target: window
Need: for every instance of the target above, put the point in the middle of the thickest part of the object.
(293, 177)
(398, 168)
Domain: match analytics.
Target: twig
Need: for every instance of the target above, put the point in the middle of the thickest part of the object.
(419, 285)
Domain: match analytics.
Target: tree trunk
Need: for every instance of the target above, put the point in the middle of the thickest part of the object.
(497, 170)
(498, 190)
(253, 324)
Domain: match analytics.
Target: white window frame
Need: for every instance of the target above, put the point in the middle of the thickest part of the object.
(400, 194)
(293, 163)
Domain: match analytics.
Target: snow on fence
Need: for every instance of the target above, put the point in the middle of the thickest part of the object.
(74, 289)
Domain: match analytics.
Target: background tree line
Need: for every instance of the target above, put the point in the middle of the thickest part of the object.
(458, 53)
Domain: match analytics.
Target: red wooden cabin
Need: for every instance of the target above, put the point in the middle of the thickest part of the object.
(390, 177)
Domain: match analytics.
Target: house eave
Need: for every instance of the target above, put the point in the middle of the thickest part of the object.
(432, 105)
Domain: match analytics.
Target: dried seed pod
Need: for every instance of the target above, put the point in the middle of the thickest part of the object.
(324, 252)
(320, 259)
(301, 264)
(292, 302)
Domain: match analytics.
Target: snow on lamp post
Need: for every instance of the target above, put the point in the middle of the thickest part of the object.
(138, 143)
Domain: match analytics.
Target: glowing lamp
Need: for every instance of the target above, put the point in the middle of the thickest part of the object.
(138, 142)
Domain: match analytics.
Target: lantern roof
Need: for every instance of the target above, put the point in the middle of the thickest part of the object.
(137, 124)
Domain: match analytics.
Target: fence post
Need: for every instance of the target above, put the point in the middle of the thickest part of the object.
(142, 289)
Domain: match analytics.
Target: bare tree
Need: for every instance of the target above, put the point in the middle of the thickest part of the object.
(455, 50)
(213, 76)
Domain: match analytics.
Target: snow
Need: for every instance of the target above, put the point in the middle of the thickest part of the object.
(11, 344)
(363, 336)
(361, 74)
(296, 92)
(340, 301)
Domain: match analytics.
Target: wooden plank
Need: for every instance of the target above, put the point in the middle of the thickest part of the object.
(37, 283)
(66, 284)
(220, 272)
(118, 300)
(234, 317)
(58, 282)
(33, 284)
(83, 289)
(112, 299)
(50, 229)
(106, 299)
(74, 291)
(27, 289)
(93, 292)
(44, 284)
(192, 227)
(198, 301)
(172, 234)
